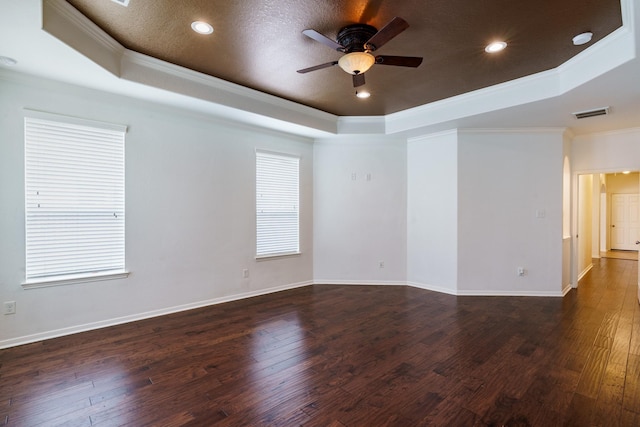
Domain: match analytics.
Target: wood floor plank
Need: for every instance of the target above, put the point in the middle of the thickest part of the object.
(348, 356)
(609, 403)
(635, 332)
(629, 419)
(631, 398)
(580, 411)
(593, 372)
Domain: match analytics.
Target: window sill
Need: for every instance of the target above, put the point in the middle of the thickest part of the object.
(46, 282)
(273, 256)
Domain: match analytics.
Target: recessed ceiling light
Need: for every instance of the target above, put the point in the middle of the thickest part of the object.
(201, 27)
(9, 62)
(495, 47)
(583, 38)
(363, 94)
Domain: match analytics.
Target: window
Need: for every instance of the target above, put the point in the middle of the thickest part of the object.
(74, 194)
(277, 204)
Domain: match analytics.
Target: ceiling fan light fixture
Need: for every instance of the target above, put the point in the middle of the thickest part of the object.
(356, 62)
(201, 27)
(495, 47)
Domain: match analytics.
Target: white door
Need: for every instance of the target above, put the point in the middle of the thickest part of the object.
(625, 221)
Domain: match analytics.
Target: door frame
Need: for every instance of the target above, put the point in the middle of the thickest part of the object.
(574, 219)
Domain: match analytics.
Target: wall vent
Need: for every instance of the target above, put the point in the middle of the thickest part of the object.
(592, 113)
(124, 3)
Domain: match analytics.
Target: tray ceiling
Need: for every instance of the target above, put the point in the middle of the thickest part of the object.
(259, 43)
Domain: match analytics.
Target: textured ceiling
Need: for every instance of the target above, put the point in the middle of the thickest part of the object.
(259, 43)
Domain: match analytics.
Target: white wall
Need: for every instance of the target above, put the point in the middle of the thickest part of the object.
(595, 216)
(510, 212)
(566, 214)
(471, 203)
(585, 227)
(453, 211)
(605, 244)
(190, 225)
(607, 152)
(359, 222)
(432, 212)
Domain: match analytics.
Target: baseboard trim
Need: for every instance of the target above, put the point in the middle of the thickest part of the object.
(487, 292)
(358, 282)
(28, 339)
(432, 288)
(585, 271)
(509, 293)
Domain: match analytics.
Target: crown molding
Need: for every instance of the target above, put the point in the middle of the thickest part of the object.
(611, 52)
(549, 130)
(147, 70)
(617, 132)
(65, 23)
(435, 135)
(68, 25)
(362, 125)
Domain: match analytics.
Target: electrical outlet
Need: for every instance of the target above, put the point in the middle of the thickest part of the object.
(245, 273)
(9, 307)
(521, 271)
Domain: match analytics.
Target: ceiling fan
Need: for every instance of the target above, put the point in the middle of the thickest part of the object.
(357, 42)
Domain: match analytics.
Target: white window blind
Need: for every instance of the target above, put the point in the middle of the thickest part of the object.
(277, 204)
(74, 188)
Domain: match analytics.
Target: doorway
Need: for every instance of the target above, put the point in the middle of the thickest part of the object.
(607, 218)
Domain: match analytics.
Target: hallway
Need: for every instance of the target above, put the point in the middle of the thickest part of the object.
(606, 344)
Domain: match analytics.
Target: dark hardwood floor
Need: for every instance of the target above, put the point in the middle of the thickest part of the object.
(348, 356)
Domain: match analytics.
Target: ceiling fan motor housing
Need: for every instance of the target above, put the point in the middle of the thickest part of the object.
(353, 37)
(357, 42)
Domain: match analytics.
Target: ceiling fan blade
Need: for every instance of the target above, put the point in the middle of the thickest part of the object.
(318, 67)
(358, 80)
(389, 31)
(313, 34)
(401, 61)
